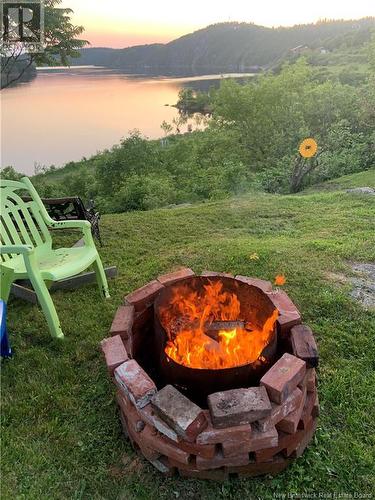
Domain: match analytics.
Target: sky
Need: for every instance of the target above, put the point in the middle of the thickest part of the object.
(122, 23)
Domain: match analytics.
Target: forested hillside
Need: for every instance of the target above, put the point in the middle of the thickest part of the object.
(226, 47)
(249, 141)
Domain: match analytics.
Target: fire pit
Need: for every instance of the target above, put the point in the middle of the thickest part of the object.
(213, 333)
(215, 375)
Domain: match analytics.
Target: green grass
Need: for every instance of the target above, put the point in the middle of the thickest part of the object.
(360, 179)
(60, 430)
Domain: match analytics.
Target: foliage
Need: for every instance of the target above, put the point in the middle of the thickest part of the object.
(10, 174)
(190, 102)
(61, 43)
(272, 115)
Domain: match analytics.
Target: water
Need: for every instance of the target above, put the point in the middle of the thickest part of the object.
(66, 114)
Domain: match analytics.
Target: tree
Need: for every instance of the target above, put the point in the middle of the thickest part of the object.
(272, 114)
(61, 43)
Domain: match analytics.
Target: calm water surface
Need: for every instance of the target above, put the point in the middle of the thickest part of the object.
(65, 114)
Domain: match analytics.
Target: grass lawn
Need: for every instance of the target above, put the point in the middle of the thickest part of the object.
(61, 436)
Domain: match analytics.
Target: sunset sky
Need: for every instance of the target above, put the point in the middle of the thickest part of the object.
(121, 23)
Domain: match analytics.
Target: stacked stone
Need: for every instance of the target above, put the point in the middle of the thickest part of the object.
(245, 432)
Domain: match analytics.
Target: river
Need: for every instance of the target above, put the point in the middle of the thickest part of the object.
(65, 114)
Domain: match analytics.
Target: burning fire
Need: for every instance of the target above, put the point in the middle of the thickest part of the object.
(205, 329)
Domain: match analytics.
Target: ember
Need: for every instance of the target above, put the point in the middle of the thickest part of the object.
(205, 329)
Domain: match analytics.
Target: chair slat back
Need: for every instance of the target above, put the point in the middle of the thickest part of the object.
(21, 223)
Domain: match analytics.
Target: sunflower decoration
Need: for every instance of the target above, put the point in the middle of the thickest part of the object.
(308, 148)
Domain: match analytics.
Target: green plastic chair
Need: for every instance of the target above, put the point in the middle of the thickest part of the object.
(26, 248)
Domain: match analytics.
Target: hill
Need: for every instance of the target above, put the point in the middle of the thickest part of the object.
(60, 424)
(360, 179)
(226, 47)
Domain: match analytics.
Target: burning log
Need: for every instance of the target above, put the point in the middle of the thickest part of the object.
(213, 329)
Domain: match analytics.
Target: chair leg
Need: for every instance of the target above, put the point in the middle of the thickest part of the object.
(6, 280)
(101, 278)
(47, 304)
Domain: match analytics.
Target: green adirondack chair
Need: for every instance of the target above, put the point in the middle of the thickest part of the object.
(26, 248)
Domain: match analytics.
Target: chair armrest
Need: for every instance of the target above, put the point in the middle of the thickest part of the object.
(84, 225)
(70, 224)
(17, 249)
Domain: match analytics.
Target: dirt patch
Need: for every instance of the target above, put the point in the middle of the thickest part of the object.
(362, 283)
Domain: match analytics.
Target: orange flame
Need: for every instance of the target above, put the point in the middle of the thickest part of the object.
(187, 321)
(280, 280)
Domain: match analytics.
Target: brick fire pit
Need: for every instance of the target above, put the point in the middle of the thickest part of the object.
(239, 430)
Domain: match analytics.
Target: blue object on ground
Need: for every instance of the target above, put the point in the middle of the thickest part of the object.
(6, 351)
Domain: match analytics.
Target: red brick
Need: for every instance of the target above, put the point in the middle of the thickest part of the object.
(286, 441)
(211, 435)
(238, 406)
(200, 450)
(316, 408)
(283, 303)
(266, 439)
(257, 441)
(220, 461)
(306, 438)
(307, 409)
(215, 474)
(123, 321)
(266, 454)
(278, 412)
(311, 380)
(163, 445)
(149, 416)
(185, 466)
(142, 332)
(148, 452)
(129, 411)
(114, 353)
(135, 383)
(181, 414)
(304, 345)
(213, 274)
(163, 466)
(233, 448)
(285, 322)
(265, 286)
(144, 296)
(283, 377)
(296, 439)
(149, 437)
(258, 469)
(289, 314)
(173, 277)
(289, 424)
